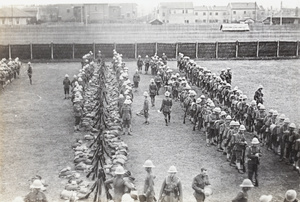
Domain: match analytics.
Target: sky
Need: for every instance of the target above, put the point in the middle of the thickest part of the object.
(148, 4)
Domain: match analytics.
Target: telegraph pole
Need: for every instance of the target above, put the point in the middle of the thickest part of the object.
(281, 13)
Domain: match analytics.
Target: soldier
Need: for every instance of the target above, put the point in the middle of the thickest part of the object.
(140, 64)
(136, 79)
(223, 75)
(240, 143)
(283, 131)
(126, 115)
(220, 127)
(258, 95)
(152, 91)
(99, 57)
(290, 139)
(146, 108)
(166, 107)
(199, 183)
(211, 126)
(29, 72)
(119, 184)
(67, 84)
(276, 133)
(171, 189)
(259, 123)
(158, 82)
(164, 58)
(228, 139)
(250, 116)
(253, 155)
(147, 64)
(36, 194)
(243, 195)
(228, 75)
(148, 191)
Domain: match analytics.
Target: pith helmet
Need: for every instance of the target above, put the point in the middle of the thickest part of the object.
(119, 170)
(265, 198)
(148, 164)
(290, 195)
(246, 183)
(172, 169)
(37, 184)
(255, 141)
(242, 127)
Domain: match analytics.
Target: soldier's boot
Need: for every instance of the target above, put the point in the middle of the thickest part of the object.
(166, 122)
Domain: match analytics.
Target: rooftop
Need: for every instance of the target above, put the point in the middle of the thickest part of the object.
(175, 5)
(14, 12)
(246, 5)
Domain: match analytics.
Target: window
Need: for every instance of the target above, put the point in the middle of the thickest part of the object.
(210, 13)
(170, 12)
(186, 11)
(224, 20)
(196, 13)
(196, 21)
(245, 12)
(224, 13)
(17, 21)
(157, 11)
(234, 12)
(174, 11)
(128, 15)
(253, 12)
(186, 21)
(68, 10)
(167, 21)
(204, 13)
(163, 14)
(163, 21)
(216, 13)
(204, 20)
(217, 21)
(182, 11)
(3, 21)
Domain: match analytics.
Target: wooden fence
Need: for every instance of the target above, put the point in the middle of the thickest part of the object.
(223, 50)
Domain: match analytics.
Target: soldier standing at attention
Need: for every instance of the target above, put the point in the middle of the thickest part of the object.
(152, 91)
(29, 72)
(166, 107)
(258, 95)
(67, 84)
(146, 108)
(140, 63)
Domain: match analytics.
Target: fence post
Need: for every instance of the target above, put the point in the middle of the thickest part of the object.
(9, 51)
(31, 55)
(176, 51)
(51, 46)
(277, 52)
(257, 49)
(217, 49)
(94, 50)
(135, 50)
(237, 49)
(197, 50)
(297, 49)
(156, 47)
(73, 51)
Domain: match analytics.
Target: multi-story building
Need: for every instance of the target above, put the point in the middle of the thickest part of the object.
(15, 16)
(218, 14)
(201, 14)
(176, 12)
(241, 11)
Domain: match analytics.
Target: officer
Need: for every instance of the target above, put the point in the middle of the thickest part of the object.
(67, 84)
(166, 107)
(199, 183)
(253, 155)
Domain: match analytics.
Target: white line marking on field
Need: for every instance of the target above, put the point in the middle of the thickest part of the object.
(30, 94)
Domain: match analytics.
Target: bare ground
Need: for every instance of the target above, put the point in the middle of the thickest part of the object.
(36, 128)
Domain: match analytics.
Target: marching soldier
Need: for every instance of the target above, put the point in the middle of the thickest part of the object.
(149, 182)
(283, 131)
(166, 107)
(158, 82)
(250, 116)
(240, 143)
(136, 79)
(253, 155)
(259, 123)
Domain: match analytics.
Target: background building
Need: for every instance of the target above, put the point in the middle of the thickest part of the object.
(15, 16)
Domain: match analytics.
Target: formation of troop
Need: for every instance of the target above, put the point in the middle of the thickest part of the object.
(9, 70)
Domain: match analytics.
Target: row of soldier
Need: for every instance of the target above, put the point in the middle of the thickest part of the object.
(9, 69)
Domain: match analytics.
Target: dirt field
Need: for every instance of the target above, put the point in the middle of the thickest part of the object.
(36, 129)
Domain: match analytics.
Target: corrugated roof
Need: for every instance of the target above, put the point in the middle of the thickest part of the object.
(240, 5)
(14, 12)
(201, 8)
(176, 4)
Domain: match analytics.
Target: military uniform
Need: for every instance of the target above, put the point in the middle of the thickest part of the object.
(166, 109)
(253, 162)
(171, 190)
